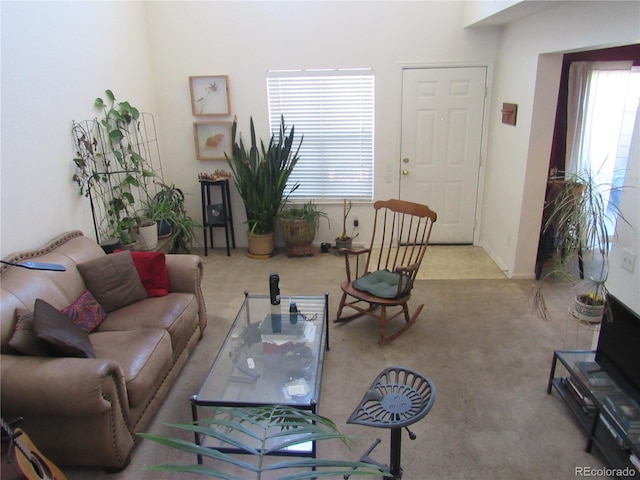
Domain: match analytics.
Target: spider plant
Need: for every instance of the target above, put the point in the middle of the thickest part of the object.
(168, 205)
(578, 214)
(262, 431)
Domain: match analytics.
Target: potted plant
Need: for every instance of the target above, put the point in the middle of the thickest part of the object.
(110, 169)
(167, 208)
(577, 215)
(299, 226)
(146, 232)
(260, 175)
(263, 431)
(344, 240)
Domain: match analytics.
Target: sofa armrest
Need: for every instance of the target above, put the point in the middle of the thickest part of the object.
(185, 276)
(61, 386)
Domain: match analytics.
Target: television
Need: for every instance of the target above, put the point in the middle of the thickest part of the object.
(618, 350)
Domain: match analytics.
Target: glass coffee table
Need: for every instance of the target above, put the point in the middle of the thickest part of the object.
(269, 357)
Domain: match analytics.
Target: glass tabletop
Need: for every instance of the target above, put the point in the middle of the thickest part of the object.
(270, 355)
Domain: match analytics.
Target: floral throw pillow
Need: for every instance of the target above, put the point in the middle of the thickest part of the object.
(86, 312)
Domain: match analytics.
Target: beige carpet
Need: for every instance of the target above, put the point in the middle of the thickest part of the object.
(487, 354)
(446, 262)
(458, 262)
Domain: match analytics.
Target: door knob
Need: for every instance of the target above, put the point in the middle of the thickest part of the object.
(405, 172)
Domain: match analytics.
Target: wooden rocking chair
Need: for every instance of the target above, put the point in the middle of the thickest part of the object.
(382, 275)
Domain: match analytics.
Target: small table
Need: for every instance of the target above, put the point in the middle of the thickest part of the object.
(585, 387)
(257, 367)
(216, 215)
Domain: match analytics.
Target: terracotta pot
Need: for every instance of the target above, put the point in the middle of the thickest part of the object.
(261, 246)
(298, 236)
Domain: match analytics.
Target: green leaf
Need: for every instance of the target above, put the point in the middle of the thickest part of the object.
(275, 425)
(128, 197)
(116, 136)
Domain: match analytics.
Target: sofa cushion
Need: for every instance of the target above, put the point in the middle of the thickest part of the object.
(86, 312)
(113, 280)
(144, 356)
(175, 312)
(59, 331)
(24, 340)
(152, 269)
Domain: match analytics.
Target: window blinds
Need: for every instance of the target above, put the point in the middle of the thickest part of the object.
(334, 111)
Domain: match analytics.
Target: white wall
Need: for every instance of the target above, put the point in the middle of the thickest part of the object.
(57, 57)
(245, 39)
(518, 157)
(623, 284)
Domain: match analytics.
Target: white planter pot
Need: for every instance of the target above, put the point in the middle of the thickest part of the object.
(588, 313)
(148, 236)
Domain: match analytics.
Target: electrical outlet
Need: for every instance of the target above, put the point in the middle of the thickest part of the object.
(355, 222)
(628, 260)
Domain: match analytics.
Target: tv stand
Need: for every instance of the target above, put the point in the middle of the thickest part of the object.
(593, 395)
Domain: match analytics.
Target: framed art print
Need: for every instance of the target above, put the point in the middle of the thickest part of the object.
(212, 140)
(209, 95)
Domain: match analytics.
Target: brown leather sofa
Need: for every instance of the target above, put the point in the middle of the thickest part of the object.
(87, 411)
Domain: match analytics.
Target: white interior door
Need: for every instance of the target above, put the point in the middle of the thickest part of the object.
(442, 116)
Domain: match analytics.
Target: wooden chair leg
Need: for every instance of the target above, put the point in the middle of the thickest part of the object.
(409, 320)
(340, 307)
(405, 309)
(383, 323)
(359, 311)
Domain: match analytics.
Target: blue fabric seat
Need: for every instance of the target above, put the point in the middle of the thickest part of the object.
(382, 283)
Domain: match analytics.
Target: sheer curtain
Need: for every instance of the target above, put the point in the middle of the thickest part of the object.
(601, 108)
(599, 93)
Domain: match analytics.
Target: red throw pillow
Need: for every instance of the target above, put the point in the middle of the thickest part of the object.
(152, 268)
(86, 312)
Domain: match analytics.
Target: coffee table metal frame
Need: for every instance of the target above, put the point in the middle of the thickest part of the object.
(279, 369)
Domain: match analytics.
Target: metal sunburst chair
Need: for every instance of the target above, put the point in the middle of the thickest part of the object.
(382, 276)
(397, 398)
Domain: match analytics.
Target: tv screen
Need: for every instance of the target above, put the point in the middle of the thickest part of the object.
(619, 342)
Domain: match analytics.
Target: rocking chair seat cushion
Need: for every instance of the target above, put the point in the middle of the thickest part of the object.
(382, 283)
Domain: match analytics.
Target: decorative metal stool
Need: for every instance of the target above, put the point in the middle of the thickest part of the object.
(397, 398)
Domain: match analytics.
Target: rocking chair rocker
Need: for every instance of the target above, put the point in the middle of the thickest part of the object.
(382, 275)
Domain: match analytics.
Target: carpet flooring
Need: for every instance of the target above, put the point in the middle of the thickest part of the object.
(446, 262)
(477, 339)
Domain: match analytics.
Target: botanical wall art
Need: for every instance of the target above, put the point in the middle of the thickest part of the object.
(209, 95)
(212, 140)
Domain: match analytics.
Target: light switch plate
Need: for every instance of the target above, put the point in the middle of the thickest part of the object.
(628, 260)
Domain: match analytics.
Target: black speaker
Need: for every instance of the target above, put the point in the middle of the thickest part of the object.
(274, 288)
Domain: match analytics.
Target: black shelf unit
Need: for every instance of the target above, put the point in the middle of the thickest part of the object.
(225, 219)
(593, 424)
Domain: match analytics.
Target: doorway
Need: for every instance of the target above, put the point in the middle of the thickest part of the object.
(441, 142)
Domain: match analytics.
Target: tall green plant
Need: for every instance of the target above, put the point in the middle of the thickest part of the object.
(118, 120)
(262, 431)
(110, 168)
(578, 215)
(261, 175)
